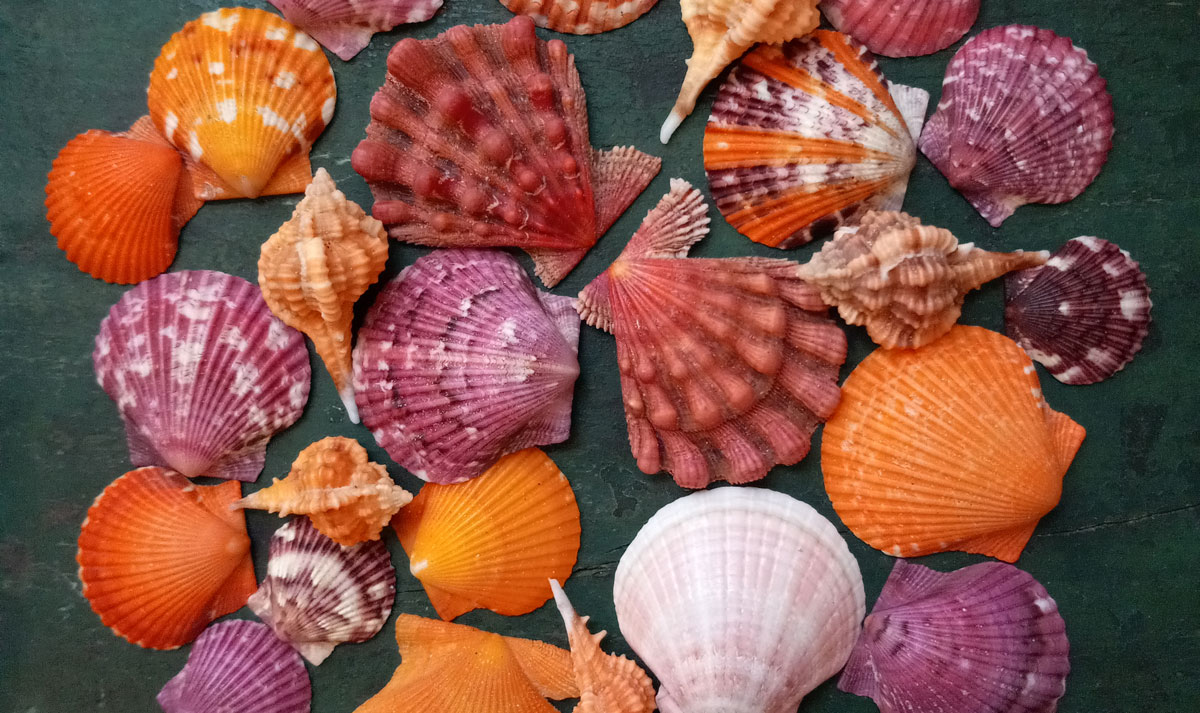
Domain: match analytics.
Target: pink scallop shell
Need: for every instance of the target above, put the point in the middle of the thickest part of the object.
(345, 27)
(202, 373)
(462, 360)
(903, 28)
(581, 17)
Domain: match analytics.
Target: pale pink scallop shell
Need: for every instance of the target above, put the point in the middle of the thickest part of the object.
(345, 27)
(902, 28)
(580, 17)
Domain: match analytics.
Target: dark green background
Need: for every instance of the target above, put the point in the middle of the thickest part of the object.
(1118, 554)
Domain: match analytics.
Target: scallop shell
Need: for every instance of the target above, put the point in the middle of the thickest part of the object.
(201, 372)
(902, 28)
(738, 599)
(246, 94)
(462, 360)
(239, 666)
(450, 668)
(905, 281)
(982, 639)
(947, 447)
(493, 542)
(345, 27)
(318, 594)
(807, 136)
(581, 17)
(160, 558)
(479, 138)
(315, 268)
(1084, 315)
(722, 30)
(727, 365)
(349, 499)
(1024, 118)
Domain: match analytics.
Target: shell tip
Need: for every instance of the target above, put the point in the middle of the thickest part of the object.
(674, 119)
(564, 605)
(347, 395)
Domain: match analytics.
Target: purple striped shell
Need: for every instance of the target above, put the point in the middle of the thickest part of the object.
(462, 360)
(202, 373)
(318, 594)
(345, 27)
(982, 639)
(902, 28)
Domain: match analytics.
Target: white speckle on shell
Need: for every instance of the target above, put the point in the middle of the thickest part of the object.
(327, 110)
(194, 147)
(304, 42)
(284, 80)
(216, 68)
(227, 110)
(170, 123)
(220, 20)
(1133, 304)
(1044, 604)
(276, 33)
(272, 119)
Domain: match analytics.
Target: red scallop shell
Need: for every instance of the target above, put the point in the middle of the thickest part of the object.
(581, 17)
(903, 28)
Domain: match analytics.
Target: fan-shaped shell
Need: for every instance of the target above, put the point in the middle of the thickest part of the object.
(160, 558)
(738, 599)
(982, 639)
(479, 138)
(947, 447)
(902, 28)
(318, 594)
(493, 542)
(581, 17)
(1024, 118)
(246, 94)
(727, 365)
(462, 360)
(202, 373)
(345, 27)
(315, 268)
(239, 666)
(1084, 315)
(807, 136)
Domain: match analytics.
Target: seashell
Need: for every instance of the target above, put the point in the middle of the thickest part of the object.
(727, 365)
(345, 27)
(315, 268)
(160, 558)
(239, 666)
(450, 668)
(479, 138)
(201, 372)
(462, 360)
(246, 94)
(1084, 315)
(903, 28)
(318, 594)
(982, 639)
(722, 30)
(493, 542)
(1024, 118)
(738, 599)
(807, 136)
(348, 498)
(580, 17)
(947, 447)
(904, 281)
(607, 683)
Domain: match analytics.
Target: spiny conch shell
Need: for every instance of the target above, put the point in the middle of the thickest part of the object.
(982, 639)
(492, 542)
(947, 447)
(246, 94)
(738, 599)
(904, 281)
(345, 27)
(239, 666)
(1084, 314)
(450, 668)
(607, 683)
(807, 136)
(315, 268)
(479, 138)
(160, 558)
(348, 498)
(902, 28)
(727, 365)
(722, 30)
(462, 360)
(318, 594)
(202, 373)
(581, 17)
(1024, 118)
(116, 202)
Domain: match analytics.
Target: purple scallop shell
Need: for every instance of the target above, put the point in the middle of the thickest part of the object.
(902, 28)
(202, 373)
(1024, 117)
(462, 360)
(982, 639)
(1083, 314)
(318, 594)
(239, 666)
(345, 27)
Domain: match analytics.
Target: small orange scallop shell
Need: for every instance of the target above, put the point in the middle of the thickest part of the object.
(244, 93)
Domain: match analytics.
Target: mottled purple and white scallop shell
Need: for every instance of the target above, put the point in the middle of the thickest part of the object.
(345, 27)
